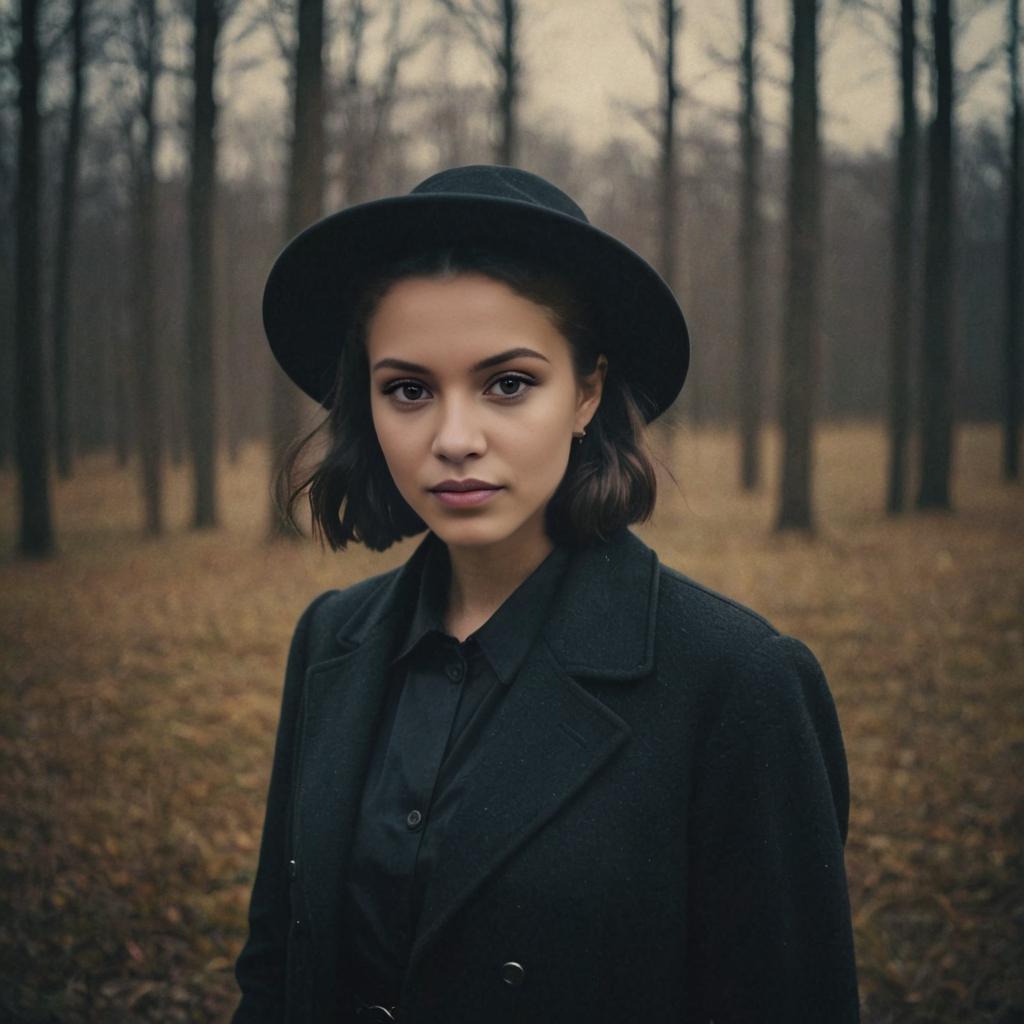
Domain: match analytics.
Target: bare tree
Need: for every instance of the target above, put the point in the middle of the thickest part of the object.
(36, 532)
(145, 44)
(903, 264)
(661, 124)
(364, 104)
(202, 393)
(662, 127)
(305, 196)
(936, 347)
(1014, 229)
(749, 367)
(306, 171)
(800, 344)
(493, 25)
(64, 255)
(671, 16)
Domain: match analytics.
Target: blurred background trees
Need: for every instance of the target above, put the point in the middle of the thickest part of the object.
(305, 194)
(201, 379)
(801, 354)
(1014, 230)
(750, 359)
(937, 322)
(176, 144)
(31, 430)
(904, 199)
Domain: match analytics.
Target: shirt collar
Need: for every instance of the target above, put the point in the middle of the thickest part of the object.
(428, 612)
(505, 638)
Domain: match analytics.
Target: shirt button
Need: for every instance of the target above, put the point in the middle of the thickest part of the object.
(413, 819)
(455, 671)
(512, 973)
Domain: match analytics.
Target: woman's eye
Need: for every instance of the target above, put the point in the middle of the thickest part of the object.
(406, 391)
(510, 386)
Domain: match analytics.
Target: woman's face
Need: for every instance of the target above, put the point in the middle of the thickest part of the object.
(472, 386)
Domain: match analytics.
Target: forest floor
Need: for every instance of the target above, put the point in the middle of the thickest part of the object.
(140, 679)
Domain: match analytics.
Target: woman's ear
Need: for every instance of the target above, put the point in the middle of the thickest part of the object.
(589, 393)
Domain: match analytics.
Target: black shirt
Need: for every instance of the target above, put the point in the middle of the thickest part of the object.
(441, 695)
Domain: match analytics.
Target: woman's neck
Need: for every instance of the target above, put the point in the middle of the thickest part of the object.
(483, 577)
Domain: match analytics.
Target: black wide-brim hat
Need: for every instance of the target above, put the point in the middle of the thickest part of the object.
(312, 292)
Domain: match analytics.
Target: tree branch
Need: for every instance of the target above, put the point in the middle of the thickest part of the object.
(472, 18)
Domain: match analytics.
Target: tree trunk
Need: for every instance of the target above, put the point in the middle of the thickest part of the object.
(231, 406)
(1014, 283)
(147, 370)
(936, 347)
(508, 99)
(749, 370)
(124, 407)
(902, 266)
(667, 163)
(101, 418)
(306, 174)
(668, 207)
(800, 345)
(173, 357)
(64, 257)
(36, 532)
(305, 196)
(202, 393)
(8, 293)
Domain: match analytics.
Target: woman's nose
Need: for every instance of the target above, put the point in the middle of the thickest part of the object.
(459, 434)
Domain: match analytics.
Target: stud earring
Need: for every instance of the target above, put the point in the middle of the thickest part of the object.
(579, 435)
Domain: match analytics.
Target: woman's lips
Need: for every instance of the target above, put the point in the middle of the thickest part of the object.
(465, 499)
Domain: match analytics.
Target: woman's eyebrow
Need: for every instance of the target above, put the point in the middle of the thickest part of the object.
(504, 357)
(399, 364)
(501, 357)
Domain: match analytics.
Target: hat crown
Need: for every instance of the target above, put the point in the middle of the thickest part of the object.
(498, 182)
(311, 298)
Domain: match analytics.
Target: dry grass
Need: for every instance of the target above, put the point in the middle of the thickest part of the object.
(140, 682)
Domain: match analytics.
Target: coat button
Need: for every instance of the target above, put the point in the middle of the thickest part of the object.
(512, 973)
(413, 819)
(456, 670)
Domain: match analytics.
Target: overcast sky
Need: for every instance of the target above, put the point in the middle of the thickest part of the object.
(593, 58)
(583, 68)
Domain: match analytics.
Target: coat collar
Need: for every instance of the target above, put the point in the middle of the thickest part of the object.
(549, 738)
(612, 581)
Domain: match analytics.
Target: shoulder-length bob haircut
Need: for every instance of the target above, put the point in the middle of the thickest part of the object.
(609, 481)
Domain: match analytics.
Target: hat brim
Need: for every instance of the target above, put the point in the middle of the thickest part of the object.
(309, 298)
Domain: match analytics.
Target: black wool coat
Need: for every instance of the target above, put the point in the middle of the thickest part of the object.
(654, 832)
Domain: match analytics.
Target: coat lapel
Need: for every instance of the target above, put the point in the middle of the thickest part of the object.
(546, 741)
(343, 697)
(550, 737)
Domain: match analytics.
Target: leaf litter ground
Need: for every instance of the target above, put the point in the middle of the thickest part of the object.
(141, 679)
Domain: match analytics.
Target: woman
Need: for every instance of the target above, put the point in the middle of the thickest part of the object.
(533, 774)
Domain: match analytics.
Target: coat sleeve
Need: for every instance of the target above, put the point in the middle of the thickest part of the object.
(770, 937)
(261, 968)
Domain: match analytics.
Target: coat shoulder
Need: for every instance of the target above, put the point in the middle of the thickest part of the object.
(334, 611)
(754, 675)
(709, 624)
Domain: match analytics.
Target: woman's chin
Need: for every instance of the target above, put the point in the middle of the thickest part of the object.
(486, 531)
(469, 531)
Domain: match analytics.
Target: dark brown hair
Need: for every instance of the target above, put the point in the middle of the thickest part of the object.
(609, 481)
